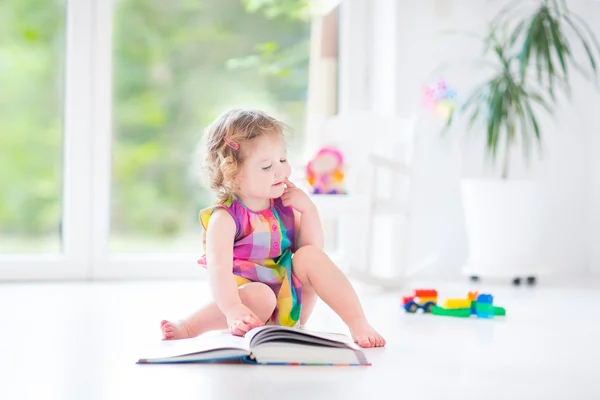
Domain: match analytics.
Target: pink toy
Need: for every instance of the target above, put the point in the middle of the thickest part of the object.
(324, 172)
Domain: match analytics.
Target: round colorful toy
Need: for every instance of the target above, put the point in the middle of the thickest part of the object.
(440, 99)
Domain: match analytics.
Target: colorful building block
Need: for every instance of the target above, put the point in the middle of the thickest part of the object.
(480, 305)
(452, 304)
(424, 299)
(485, 299)
(451, 312)
(483, 306)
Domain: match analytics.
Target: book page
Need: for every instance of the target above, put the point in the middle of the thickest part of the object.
(267, 333)
(210, 341)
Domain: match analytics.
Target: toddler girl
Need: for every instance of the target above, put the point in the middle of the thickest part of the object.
(263, 240)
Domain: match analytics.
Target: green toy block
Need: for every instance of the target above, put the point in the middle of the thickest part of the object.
(484, 310)
(484, 307)
(499, 311)
(457, 312)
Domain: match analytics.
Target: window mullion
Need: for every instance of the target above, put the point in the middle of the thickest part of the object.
(78, 136)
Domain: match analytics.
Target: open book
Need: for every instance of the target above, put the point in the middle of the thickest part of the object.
(267, 344)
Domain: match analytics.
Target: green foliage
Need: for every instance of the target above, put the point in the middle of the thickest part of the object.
(506, 102)
(545, 37)
(31, 46)
(297, 9)
(172, 80)
(176, 66)
(283, 64)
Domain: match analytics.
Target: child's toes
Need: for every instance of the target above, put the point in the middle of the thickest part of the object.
(168, 334)
(167, 329)
(373, 341)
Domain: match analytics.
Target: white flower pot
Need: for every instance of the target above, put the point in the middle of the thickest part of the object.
(504, 224)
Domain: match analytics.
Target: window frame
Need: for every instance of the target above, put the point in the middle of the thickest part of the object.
(74, 260)
(87, 169)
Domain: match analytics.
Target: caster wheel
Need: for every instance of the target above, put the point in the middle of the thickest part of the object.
(531, 281)
(516, 281)
(474, 278)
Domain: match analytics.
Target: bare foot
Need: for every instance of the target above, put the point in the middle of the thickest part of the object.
(174, 331)
(364, 334)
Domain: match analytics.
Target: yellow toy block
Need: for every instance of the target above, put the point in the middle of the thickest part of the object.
(452, 304)
(427, 299)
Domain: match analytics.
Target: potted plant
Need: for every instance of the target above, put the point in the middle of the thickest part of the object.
(532, 60)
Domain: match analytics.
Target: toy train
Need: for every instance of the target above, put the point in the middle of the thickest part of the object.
(477, 304)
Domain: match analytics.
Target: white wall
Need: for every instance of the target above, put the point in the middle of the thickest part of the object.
(569, 170)
(593, 158)
(594, 197)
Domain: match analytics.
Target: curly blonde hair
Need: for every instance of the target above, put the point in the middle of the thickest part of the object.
(222, 161)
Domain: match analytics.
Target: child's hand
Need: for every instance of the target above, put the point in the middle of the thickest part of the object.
(240, 319)
(297, 198)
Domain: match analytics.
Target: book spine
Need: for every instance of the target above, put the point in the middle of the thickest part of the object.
(296, 364)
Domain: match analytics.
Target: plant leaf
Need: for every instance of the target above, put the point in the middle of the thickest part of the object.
(475, 99)
(556, 6)
(517, 31)
(589, 31)
(520, 115)
(588, 50)
(585, 44)
(495, 118)
(557, 39)
(581, 69)
(514, 7)
(539, 99)
(473, 118)
(531, 35)
(545, 47)
(534, 123)
(476, 94)
(565, 7)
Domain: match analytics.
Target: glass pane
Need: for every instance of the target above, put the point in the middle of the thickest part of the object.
(177, 65)
(32, 52)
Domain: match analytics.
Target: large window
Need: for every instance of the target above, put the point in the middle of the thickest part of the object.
(176, 66)
(32, 54)
(103, 105)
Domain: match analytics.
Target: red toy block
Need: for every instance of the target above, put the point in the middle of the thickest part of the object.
(426, 293)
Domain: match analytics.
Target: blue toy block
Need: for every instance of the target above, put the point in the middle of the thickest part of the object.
(485, 299)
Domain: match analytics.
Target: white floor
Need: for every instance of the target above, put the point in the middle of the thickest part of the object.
(80, 341)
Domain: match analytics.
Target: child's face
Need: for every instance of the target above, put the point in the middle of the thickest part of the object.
(265, 168)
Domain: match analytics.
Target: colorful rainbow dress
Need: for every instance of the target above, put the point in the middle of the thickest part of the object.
(262, 252)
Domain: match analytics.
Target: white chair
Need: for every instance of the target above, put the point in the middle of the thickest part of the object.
(378, 155)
